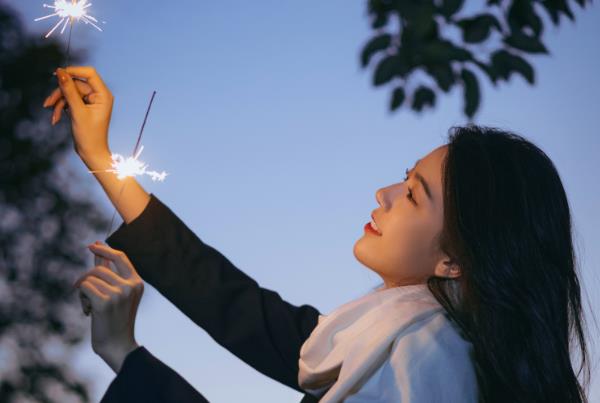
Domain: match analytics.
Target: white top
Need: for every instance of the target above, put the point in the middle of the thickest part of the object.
(390, 345)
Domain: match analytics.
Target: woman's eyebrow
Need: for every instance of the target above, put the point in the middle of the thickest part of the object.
(425, 186)
(423, 182)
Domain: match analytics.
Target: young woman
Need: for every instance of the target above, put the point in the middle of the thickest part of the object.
(480, 293)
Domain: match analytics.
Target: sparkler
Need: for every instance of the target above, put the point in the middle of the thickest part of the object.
(132, 166)
(124, 167)
(67, 12)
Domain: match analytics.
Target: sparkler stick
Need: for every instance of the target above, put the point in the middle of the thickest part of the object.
(132, 166)
(69, 44)
(86, 305)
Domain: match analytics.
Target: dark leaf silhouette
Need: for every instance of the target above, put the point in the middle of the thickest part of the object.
(390, 66)
(526, 43)
(478, 28)
(521, 15)
(443, 75)
(380, 42)
(422, 97)
(440, 51)
(505, 63)
(449, 7)
(419, 44)
(489, 70)
(556, 7)
(471, 90)
(398, 96)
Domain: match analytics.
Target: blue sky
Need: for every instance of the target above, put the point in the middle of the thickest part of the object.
(275, 142)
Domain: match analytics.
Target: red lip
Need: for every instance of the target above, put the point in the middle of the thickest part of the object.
(376, 223)
(370, 229)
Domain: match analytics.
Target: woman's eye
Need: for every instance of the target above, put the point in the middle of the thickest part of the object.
(409, 194)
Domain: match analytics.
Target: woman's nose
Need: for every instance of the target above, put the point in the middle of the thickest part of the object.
(379, 196)
(384, 196)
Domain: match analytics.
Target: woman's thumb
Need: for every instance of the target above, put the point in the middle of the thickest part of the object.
(69, 90)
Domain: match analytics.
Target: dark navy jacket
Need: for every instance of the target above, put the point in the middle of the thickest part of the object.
(252, 322)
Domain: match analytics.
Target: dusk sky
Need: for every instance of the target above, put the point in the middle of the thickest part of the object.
(275, 142)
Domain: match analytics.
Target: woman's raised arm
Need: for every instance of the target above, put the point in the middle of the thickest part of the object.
(90, 102)
(252, 322)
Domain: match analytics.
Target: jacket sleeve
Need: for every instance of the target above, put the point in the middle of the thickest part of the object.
(144, 378)
(252, 322)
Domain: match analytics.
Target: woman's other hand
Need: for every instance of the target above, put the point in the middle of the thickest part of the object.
(90, 103)
(114, 299)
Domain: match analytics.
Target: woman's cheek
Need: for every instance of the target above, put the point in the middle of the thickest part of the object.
(405, 250)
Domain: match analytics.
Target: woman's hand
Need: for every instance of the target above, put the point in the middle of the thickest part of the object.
(90, 104)
(114, 299)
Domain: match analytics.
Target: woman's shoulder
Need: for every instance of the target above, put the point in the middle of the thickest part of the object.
(435, 349)
(436, 338)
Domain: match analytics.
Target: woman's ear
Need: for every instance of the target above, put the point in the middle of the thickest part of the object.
(453, 271)
(447, 268)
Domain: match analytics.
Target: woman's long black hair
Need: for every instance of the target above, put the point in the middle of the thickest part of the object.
(507, 225)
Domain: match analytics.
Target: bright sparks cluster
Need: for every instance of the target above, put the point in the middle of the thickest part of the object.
(69, 10)
(131, 166)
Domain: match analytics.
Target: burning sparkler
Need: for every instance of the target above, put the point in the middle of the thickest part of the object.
(131, 166)
(68, 11)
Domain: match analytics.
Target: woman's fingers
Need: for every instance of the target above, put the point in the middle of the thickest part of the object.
(83, 88)
(119, 258)
(53, 97)
(92, 77)
(103, 286)
(58, 108)
(96, 297)
(102, 272)
(69, 90)
(99, 260)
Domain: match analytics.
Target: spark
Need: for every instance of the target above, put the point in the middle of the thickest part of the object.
(132, 166)
(68, 11)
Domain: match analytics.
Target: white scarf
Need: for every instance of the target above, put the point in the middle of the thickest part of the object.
(356, 339)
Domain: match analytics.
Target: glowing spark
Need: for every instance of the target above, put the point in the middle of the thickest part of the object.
(131, 166)
(68, 11)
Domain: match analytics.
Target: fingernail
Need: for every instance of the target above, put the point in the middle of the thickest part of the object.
(62, 76)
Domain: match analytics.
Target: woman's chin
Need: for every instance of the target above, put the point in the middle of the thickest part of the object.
(363, 253)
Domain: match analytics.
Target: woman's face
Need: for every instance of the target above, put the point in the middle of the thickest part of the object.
(409, 219)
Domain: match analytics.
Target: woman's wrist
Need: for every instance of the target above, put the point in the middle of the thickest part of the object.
(97, 161)
(114, 356)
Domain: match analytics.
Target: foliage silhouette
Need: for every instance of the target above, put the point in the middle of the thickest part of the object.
(43, 225)
(512, 27)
